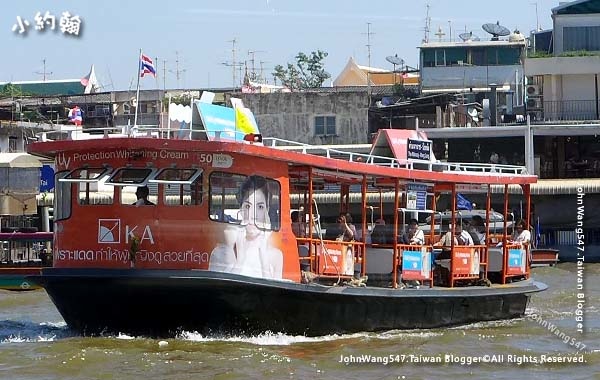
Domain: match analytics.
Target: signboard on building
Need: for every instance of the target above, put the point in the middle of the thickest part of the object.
(418, 150)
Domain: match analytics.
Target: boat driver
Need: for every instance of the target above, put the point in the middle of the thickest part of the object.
(142, 193)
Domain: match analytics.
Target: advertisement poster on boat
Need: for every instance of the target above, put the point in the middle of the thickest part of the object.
(516, 261)
(465, 260)
(416, 264)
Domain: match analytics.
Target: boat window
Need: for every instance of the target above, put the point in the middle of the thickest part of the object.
(240, 199)
(86, 175)
(181, 194)
(130, 176)
(172, 175)
(89, 181)
(62, 197)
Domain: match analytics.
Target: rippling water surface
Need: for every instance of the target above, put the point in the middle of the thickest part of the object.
(35, 343)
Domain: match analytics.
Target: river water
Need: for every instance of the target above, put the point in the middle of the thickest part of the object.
(35, 343)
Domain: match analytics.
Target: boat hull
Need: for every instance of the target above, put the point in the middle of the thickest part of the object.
(19, 278)
(544, 257)
(163, 303)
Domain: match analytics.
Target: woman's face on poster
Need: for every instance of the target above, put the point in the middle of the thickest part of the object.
(255, 212)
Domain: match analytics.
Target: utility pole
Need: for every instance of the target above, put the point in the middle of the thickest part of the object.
(537, 20)
(164, 75)
(369, 33)
(44, 72)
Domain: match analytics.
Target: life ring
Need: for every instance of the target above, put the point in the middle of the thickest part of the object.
(25, 285)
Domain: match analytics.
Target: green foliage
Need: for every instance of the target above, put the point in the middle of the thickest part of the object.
(539, 54)
(578, 53)
(307, 72)
(9, 90)
(181, 99)
(571, 53)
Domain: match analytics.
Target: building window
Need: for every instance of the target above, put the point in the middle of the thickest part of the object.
(325, 126)
(12, 144)
(581, 38)
(440, 57)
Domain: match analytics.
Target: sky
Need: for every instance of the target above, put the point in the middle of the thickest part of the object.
(195, 37)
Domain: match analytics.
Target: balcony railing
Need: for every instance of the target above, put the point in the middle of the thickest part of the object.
(567, 110)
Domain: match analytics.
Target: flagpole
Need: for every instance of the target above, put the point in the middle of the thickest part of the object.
(137, 92)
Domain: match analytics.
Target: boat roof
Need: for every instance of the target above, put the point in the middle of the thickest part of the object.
(333, 163)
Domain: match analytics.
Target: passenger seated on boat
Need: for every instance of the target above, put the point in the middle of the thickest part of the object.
(461, 237)
(521, 235)
(142, 193)
(477, 230)
(414, 235)
(347, 230)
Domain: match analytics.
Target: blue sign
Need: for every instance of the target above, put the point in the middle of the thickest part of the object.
(418, 150)
(412, 260)
(46, 178)
(515, 258)
(416, 196)
(219, 121)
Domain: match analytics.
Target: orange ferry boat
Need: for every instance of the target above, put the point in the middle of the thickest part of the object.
(208, 245)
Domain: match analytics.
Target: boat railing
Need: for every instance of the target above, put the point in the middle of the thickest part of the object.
(153, 131)
(440, 166)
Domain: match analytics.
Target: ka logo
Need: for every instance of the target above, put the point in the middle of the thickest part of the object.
(109, 230)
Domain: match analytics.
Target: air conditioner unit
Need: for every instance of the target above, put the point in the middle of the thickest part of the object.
(533, 90)
(534, 103)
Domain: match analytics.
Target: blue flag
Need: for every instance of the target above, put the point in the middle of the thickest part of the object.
(463, 203)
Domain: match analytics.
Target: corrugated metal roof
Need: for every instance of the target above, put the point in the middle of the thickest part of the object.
(47, 88)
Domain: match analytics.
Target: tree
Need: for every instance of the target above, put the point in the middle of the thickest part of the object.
(308, 71)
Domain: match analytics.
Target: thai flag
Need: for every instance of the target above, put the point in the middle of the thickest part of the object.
(147, 66)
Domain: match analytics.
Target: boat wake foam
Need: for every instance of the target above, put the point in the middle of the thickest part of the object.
(27, 332)
(280, 339)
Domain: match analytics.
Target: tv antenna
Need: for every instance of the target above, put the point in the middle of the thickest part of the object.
(44, 72)
(233, 63)
(427, 26)
(465, 37)
(177, 71)
(496, 30)
(251, 53)
(440, 33)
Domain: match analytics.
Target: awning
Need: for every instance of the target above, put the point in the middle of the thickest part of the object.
(542, 187)
(19, 160)
(556, 187)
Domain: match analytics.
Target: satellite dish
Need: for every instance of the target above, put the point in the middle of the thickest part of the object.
(394, 59)
(496, 30)
(468, 37)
